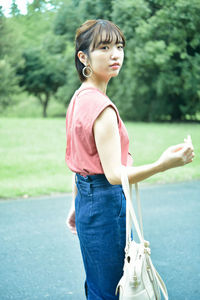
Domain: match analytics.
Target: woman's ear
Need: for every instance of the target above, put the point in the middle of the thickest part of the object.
(82, 57)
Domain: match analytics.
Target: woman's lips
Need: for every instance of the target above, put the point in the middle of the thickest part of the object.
(115, 66)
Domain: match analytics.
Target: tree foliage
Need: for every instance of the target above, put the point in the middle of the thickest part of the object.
(8, 79)
(160, 79)
(14, 9)
(163, 58)
(41, 75)
(8, 83)
(37, 6)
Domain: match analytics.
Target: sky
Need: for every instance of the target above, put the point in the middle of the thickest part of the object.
(20, 3)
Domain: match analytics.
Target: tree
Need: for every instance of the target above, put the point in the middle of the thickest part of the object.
(1, 11)
(14, 10)
(67, 20)
(66, 91)
(163, 58)
(41, 75)
(8, 80)
(96, 9)
(69, 17)
(8, 83)
(74, 12)
(4, 41)
(37, 5)
(160, 79)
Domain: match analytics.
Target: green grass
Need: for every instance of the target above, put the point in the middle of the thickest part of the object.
(32, 157)
(25, 105)
(32, 154)
(148, 141)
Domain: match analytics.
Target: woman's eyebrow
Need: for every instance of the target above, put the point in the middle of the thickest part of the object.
(103, 43)
(108, 42)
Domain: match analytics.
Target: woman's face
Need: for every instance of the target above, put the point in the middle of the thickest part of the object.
(106, 60)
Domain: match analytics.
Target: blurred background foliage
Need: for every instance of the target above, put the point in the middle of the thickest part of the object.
(160, 79)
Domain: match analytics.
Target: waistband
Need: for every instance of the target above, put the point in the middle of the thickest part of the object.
(97, 178)
(94, 180)
(91, 183)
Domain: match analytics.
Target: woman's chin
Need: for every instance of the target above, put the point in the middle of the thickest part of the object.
(114, 74)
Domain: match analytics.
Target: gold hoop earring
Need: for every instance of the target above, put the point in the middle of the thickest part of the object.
(85, 71)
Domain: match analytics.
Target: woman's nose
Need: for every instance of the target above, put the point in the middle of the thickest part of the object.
(115, 53)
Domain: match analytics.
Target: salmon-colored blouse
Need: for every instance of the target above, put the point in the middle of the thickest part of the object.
(81, 152)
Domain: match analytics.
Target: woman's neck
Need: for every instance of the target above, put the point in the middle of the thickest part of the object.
(102, 86)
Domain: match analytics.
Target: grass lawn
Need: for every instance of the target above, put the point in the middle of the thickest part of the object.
(32, 154)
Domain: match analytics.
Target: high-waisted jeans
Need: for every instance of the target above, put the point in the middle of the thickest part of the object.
(101, 227)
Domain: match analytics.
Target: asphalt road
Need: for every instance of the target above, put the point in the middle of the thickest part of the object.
(40, 259)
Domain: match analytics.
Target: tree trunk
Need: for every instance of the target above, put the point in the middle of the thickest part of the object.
(44, 103)
(176, 114)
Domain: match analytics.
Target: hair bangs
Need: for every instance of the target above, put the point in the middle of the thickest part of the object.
(106, 32)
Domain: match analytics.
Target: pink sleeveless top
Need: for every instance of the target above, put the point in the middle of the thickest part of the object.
(81, 152)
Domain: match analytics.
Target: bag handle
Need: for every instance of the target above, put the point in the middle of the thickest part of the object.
(139, 208)
(130, 213)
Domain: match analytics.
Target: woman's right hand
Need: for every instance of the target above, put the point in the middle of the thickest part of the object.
(178, 155)
(71, 224)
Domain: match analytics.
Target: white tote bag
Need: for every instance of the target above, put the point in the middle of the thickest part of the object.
(140, 280)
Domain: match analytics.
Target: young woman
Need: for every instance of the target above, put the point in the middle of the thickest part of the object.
(97, 147)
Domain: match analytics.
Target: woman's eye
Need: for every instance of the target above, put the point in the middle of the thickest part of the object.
(105, 47)
(120, 47)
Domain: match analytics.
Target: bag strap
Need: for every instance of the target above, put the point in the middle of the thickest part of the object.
(130, 213)
(160, 281)
(139, 208)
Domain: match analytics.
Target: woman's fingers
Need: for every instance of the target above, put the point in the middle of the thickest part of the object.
(189, 161)
(71, 227)
(183, 152)
(186, 146)
(190, 156)
(73, 230)
(188, 140)
(188, 150)
(187, 154)
(178, 155)
(70, 222)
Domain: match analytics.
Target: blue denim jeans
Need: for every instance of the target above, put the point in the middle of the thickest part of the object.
(101, 227)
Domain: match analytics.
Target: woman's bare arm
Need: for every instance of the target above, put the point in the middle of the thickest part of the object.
(107, 140)
(71, 215)
(74, 189)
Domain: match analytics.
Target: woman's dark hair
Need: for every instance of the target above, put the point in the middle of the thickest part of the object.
(90, 35)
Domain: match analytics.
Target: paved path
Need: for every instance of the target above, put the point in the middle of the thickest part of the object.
(40, 259)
